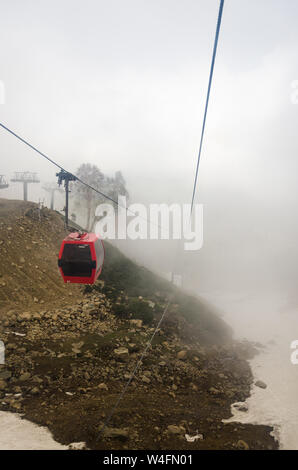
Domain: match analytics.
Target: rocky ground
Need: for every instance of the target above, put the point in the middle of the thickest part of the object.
(65, 368)
(70, 351)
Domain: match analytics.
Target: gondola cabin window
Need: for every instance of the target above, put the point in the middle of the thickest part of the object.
(76, 260)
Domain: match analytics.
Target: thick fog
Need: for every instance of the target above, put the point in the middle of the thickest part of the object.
(122, 85)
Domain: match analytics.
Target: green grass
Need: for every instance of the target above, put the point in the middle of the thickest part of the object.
(125, 282)
(123, 274)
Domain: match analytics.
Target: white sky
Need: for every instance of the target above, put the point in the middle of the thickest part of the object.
(122, 84)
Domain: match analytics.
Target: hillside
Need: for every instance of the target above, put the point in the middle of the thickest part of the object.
(29, 242)
(29, 246)
(70, 350)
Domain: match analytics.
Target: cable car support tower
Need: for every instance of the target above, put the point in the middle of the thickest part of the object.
(25, 177)
(66, 177)
(3, 182)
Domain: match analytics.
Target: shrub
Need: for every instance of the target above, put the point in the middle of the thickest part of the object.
(140, 310)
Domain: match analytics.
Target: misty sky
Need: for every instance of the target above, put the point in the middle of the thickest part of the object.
(122, 84)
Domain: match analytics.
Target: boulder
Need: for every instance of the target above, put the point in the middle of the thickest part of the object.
(261, 384)
(214, 391)
(137, 323)
(242, 445)
(182, 355)
(103, 386)
(145, 379)
(116, 433)
(77, 446)
(24, 377)
(173, 429)
(121, 353)
(241, 406)
(76, 347)
(25, 316)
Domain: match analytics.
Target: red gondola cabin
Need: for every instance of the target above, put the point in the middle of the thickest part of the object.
(81, 258)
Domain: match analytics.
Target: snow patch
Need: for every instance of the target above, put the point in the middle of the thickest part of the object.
(19, 434)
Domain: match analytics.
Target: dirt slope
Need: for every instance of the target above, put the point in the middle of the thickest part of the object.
(29, 245)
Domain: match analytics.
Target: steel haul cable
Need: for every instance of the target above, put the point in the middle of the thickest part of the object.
(76, 178)
(121, 395)
(115, 202)
(207, 99)
(54, 163)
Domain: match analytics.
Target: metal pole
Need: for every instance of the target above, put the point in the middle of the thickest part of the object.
(66, 202)
(66, 177)
(25, 186)
(52, 198)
